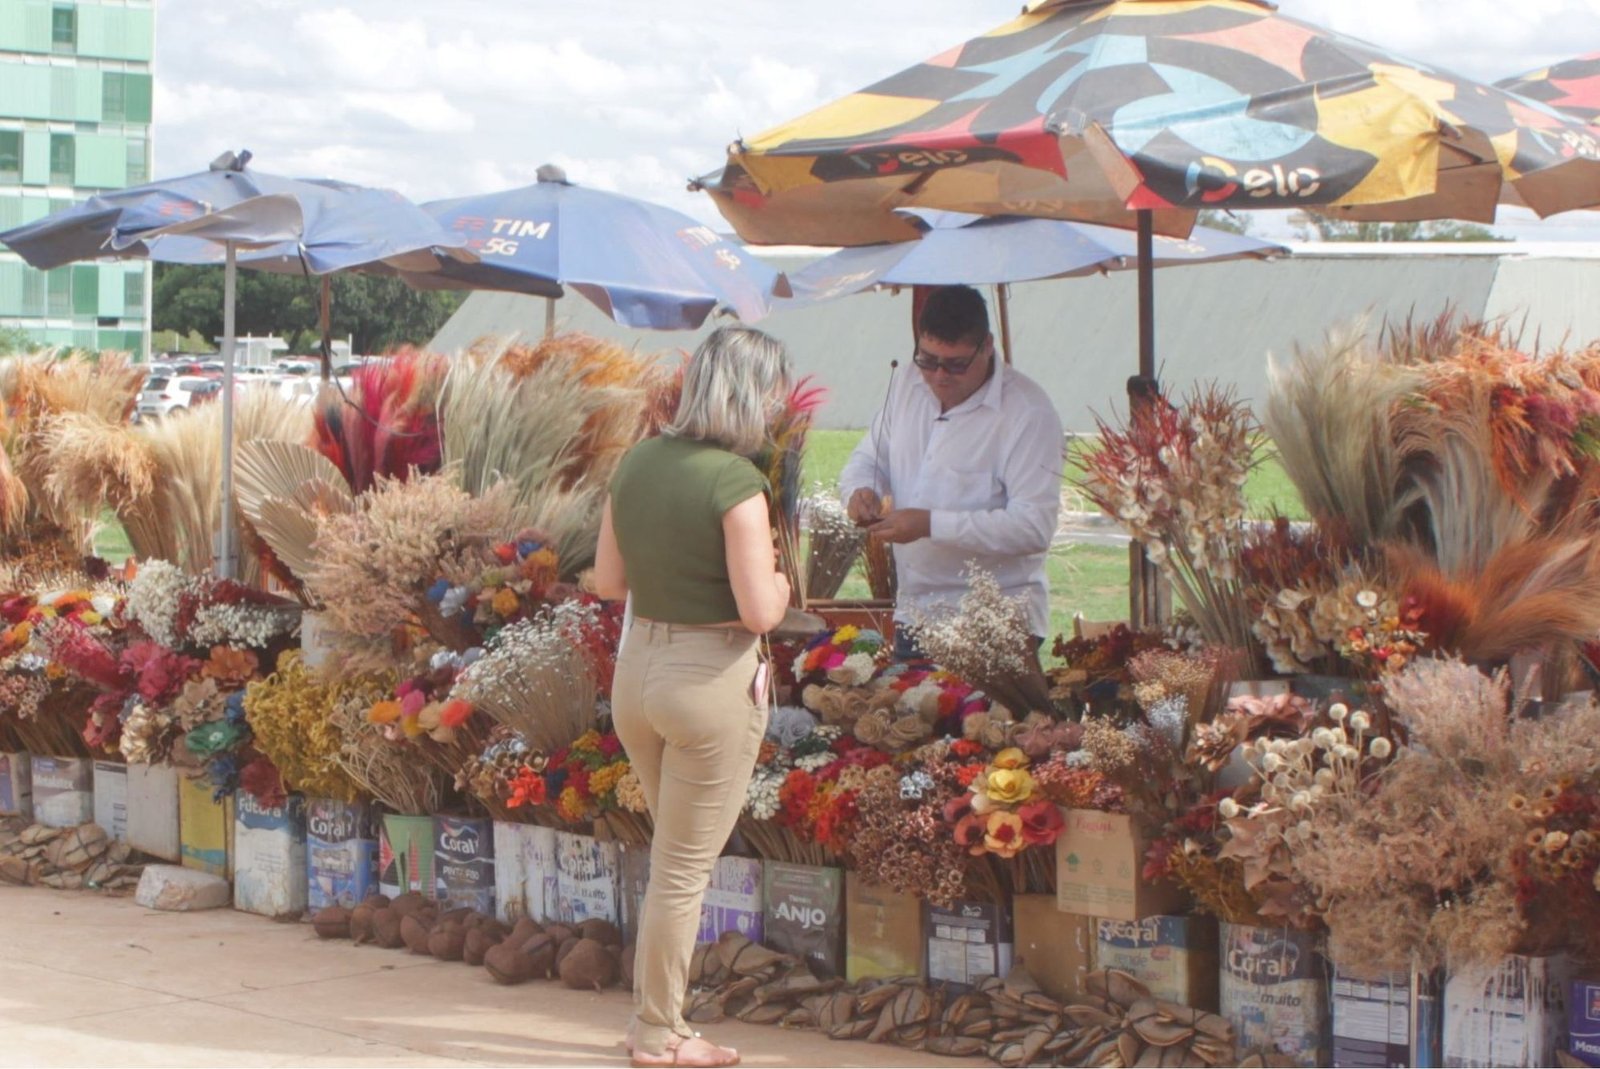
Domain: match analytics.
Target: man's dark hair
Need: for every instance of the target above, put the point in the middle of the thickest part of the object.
(955, 314)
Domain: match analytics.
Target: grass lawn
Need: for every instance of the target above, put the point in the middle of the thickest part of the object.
(1092, 580)
(110, 540)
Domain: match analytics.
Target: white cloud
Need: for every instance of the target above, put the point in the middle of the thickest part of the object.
(447, 100)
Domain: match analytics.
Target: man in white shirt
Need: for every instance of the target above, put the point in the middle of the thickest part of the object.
(967, 453)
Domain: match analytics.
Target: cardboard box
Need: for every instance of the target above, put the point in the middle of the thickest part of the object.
(205, 828)
(967, 942)
(1056, 948)
(882, 930)
(1394, 1020)
(804, 914)
(1274, 989)
(524, 871)
(269, 849)
(111, 798)
(463, 862)
(405, 855)
(1583, 1021)
(543, 875)
(512, 871)
(63, 795)
(588, 879)
(1175, 957)
(1099, 865)
(1512, 1013)
(153, 811)
(733, 900)
(16, 784)
(341, 853)
(635, 881)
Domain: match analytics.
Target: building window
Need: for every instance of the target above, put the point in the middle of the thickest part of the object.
(133, 293)
(113, 97)
(62, 157)
(10, 157)
(138, 161)
(59, 303)
(64, 28)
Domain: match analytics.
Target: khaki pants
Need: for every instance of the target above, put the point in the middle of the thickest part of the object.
(682, 707)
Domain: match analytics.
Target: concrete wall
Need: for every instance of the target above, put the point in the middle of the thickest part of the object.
(1078, 337)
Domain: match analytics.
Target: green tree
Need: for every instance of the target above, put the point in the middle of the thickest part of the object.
(16, 340)
(1232, 222)
(378, 312)
(1311, 227)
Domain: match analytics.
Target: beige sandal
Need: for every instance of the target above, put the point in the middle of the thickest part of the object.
(689, 1051)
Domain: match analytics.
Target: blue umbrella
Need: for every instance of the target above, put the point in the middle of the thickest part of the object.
(209, 217)
(642, 264)
(959, 248)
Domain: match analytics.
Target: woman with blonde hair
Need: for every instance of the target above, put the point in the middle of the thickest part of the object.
(686, 533)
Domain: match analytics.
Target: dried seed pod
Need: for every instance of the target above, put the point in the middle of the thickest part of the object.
(414, 932)
(477, 944)
(508, 965)
(408, 903)
(332, 922)
(601, 931)
(588, 964)
(1161, 1032)
(448, 942)
(386, 929)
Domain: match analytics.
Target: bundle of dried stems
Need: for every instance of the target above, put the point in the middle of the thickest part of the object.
(394, 773)
(179, 520)
(372, 566)
(535, 681)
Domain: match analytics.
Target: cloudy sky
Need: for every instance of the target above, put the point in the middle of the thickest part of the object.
(442, 100)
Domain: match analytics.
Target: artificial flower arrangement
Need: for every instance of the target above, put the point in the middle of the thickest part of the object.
(515, 585)
(1093, 673)
(848, 656)
(1173, 476)
(591, 781)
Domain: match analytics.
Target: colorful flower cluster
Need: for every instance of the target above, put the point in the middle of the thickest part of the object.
(847, 656)
(521, 578)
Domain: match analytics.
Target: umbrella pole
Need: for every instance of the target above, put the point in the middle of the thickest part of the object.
(225, 536)
(1148, 602)
(549, 317)
(1002, 301)
(325, 321)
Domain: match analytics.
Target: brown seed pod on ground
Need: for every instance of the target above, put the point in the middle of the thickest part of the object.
(565, 948)
(601, 931)
(588, 964)
(478, 942)
(386, 929)
(524, 930)
(560, 932)
(447, 942)
(408, 903)
(414, 931)
(542, 949)
(508, 965)
(332, 922)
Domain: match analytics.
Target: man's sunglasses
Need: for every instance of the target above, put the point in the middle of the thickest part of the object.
(949, 365)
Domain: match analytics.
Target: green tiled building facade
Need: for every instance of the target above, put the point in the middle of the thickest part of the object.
(75, 99)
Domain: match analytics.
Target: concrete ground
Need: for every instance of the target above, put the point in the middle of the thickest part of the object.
(89, 980)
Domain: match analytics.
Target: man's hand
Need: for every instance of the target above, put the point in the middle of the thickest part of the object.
(865, 507)
(903, 525)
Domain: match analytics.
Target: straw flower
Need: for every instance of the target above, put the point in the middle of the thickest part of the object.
(1003, 834)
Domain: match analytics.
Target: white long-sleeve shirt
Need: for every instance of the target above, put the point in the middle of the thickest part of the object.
(989, 474)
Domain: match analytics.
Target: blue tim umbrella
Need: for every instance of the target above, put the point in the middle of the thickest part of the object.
(228, 214)
(642, 264)
(958, 248)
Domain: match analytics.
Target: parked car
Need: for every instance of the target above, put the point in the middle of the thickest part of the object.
(164, 394)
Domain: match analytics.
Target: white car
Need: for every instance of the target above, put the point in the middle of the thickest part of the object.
(164, 394)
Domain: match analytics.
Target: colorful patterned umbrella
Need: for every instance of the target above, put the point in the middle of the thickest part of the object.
(1094, 110)
(1572, 85)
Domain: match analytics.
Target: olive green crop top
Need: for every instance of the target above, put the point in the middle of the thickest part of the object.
(668, 498)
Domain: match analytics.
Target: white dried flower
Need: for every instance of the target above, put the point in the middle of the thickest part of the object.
(1338, 711)
(1380, 748)
(1360, 721)
(1228, 809)
(1367, 599)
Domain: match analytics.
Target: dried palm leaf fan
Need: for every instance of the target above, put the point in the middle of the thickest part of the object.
(282, 487)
